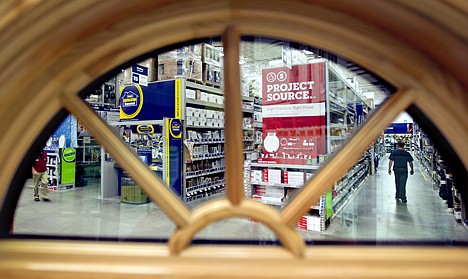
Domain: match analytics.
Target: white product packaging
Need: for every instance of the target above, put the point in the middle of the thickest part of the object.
(204, 96)
(190, 93)
(189, 121)
(256, 176)
(202, 113)
(294, 178)
(189, 111)
(274, 192)
(272, 199)
(272, 175)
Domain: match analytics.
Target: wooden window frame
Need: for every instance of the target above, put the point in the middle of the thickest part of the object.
(56, 48)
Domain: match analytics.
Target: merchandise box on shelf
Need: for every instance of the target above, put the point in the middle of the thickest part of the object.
(184, 62)
(199, 63)
(204, 144)
(180, 68)
(211, 55)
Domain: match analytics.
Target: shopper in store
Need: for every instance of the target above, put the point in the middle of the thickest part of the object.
(39, 171)
(400, 159)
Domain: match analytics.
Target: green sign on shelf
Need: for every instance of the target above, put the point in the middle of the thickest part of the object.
(68, 165)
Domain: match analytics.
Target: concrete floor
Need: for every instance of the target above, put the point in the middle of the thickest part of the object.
(373, 214)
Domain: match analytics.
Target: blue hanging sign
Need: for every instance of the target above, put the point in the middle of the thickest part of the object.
(140, 75)
(156, 101)
(141, 70)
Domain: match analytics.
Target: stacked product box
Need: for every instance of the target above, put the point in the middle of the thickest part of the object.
(270, 191)
(256, 176)
(293, 178)
(204, 117)
(207, 136)
(311, 223)
(204, 96)
(272, 175)
(184, 62)
(267, 194)
(247, 179)
(211, 58)
(308, 176)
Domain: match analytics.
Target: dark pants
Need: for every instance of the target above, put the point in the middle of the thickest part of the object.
(400, 182)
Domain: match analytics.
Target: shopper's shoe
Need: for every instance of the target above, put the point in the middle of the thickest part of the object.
(37, 199)
(46, 199)
(404, 201)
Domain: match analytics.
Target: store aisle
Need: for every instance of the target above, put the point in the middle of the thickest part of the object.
(372, 214)
(80, 212)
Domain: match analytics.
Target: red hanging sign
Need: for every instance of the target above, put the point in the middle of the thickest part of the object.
(294, 114)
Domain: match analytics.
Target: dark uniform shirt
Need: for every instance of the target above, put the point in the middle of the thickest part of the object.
(400, 159)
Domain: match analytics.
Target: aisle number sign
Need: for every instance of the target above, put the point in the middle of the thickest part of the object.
(140, 75)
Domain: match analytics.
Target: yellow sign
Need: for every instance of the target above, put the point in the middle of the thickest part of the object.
(178, 99)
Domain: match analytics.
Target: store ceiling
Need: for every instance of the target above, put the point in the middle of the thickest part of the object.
(260, 51)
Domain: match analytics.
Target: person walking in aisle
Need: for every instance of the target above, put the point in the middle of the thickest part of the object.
(39, 171)
(400, 159)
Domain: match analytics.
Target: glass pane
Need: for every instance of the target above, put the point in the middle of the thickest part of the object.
(426, 206)
(307, 104)
(89, 194)
(300, 105)
(168, 110)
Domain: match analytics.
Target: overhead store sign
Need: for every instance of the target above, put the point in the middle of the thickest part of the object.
(153, 102)
(140, 75)
(294, 114)
(131, 101)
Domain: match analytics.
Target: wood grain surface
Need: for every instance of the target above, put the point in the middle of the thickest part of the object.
(52, 49)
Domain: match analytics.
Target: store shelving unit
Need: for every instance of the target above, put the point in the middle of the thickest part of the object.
(349, 184)
(346, 108)
(105, 95)
(275, 184)
(437, 171)
(56, 172)
(248, 126)
(262, 181)
(257, 125)
(424, 152)
(204, 139)
(88, 161)
(53, 173)
(390, 141)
